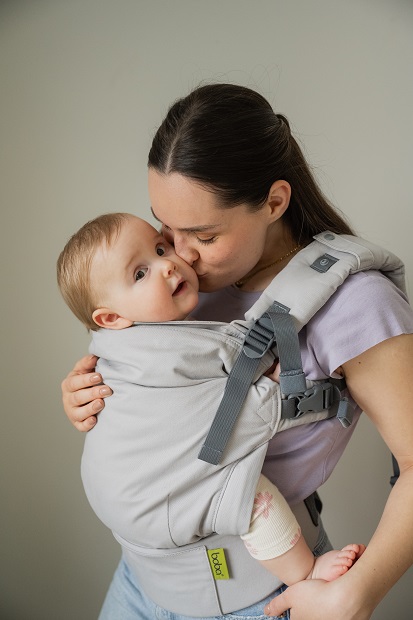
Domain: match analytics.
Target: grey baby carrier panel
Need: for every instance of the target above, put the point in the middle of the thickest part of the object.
(140, 466)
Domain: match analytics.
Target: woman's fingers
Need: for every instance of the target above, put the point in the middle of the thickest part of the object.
(86, 425)
(83, 394)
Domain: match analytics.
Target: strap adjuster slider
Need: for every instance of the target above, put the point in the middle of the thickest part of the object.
(260, 338)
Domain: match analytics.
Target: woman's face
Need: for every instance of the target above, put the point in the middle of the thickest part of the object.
(222, 245)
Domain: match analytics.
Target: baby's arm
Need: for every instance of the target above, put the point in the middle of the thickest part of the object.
(275, 539)
(274, 372)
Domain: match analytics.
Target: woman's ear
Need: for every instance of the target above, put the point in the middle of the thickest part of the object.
(103, 317)
(279, 198)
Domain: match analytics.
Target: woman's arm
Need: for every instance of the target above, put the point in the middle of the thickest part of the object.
(83, 394)
(381, 381)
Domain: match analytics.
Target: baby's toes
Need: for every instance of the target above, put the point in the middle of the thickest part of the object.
(340, 569)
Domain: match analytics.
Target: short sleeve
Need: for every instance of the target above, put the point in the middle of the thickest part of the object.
(366, 310)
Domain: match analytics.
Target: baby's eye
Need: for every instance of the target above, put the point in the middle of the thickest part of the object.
(141, 273)
(160, 250)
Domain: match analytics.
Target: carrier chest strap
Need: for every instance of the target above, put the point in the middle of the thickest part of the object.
(299, 400)
(274, 328)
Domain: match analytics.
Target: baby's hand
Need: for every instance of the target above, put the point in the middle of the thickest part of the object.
(274, 372)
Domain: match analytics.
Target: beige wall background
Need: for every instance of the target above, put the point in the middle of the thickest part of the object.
(83, 86)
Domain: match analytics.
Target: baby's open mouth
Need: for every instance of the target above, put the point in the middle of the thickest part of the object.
(178, 288)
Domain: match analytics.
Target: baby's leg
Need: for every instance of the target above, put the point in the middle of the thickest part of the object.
(274, 538)
(333, 564)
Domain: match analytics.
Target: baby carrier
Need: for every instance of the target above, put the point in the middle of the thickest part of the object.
(172, 465)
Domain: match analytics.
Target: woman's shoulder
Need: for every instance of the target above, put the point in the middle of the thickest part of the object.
(365, 310)
(367, 292)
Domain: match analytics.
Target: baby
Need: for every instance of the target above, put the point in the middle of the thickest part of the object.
(118, 270)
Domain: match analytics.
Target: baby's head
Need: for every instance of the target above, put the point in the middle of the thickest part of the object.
(118, 269)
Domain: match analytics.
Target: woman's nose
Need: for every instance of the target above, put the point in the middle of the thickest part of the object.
(185, 251)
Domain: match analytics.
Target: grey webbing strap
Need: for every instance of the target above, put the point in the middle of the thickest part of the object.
(275, 325)
(299, 400)
(237, 386)
(292, 378)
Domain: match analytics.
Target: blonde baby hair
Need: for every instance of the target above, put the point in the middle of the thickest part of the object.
(74, 264)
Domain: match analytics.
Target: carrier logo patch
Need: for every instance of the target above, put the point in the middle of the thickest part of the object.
(218, 563)
(323, 263)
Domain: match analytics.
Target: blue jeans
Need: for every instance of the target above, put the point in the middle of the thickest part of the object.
(125, 600)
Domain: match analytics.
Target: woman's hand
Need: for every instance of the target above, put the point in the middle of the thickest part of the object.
(83, 394)
(314, 599)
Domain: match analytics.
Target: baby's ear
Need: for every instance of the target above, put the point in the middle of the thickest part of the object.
(103, 317)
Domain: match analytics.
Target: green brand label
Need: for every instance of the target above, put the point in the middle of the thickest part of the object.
(218, 563)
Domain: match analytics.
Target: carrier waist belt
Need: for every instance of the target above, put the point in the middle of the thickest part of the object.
(188, 585)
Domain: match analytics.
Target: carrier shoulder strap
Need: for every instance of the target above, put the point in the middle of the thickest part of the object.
(288, 303)
(300, 287)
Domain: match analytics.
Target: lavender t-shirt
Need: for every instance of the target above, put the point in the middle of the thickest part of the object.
(366, 310)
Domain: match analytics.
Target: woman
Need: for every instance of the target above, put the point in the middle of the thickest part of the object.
(234, 194)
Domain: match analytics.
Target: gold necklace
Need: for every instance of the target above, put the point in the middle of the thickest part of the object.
(247, 278)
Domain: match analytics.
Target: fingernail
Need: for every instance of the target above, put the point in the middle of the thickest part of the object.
(97, 407)
(95, 379)
(104, 391)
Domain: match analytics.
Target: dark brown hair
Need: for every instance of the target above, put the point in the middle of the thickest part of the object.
(228, 139)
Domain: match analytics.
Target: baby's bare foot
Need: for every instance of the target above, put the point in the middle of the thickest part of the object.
(333, 564)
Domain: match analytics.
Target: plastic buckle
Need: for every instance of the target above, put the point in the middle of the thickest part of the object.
(317, 398)
(259, 338)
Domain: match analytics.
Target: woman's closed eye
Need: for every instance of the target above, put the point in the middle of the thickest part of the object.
(167, 234)
(206, 241)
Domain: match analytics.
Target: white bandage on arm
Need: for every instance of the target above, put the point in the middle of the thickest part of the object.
(273, 527)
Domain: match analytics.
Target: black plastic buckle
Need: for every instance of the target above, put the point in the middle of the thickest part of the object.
(259, 338)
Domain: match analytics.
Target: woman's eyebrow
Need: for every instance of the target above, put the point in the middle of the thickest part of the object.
(206, 227)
